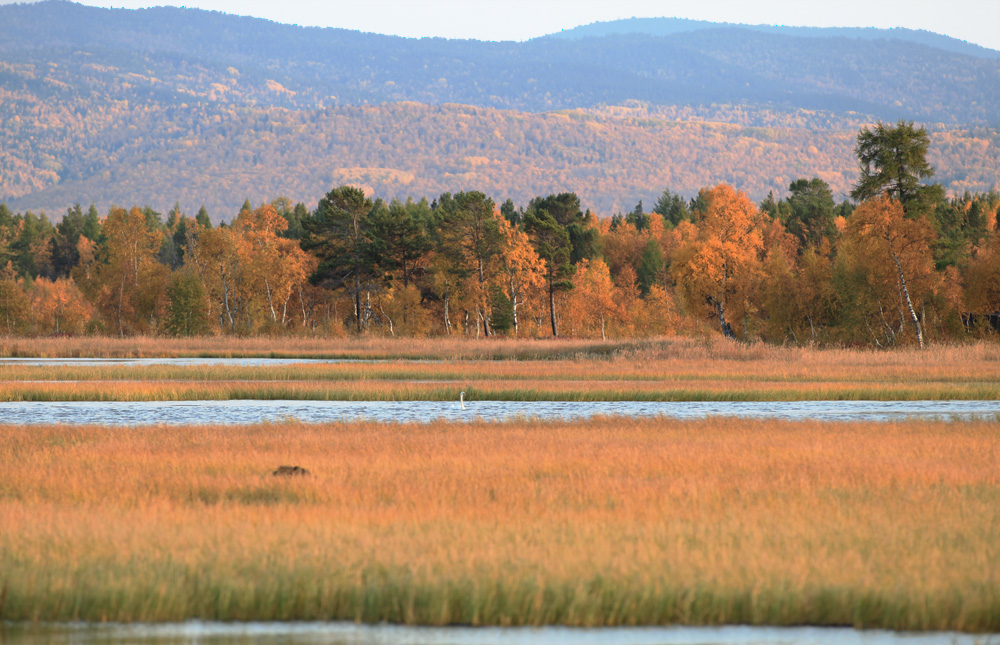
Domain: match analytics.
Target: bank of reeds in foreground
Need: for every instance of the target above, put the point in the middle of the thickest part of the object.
(604, 522)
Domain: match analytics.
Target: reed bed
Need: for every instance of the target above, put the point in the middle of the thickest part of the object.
(367, 347)
(493, 348)
(664, 371)
(832, 368)
(602, 522)
(376, 390)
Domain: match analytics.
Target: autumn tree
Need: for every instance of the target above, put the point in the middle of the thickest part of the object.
(213, 254)
(58, 307)
(720, 267)
(594, 296)
(982, 282)
(15, 307)
(272, 266)
(521, 268)
(132, 283)
(894, 253)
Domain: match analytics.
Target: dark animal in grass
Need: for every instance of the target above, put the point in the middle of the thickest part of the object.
(290, 471)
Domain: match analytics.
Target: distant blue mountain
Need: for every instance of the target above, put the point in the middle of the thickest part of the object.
(672, 26)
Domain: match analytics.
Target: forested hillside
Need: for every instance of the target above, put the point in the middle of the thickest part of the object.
(221, 155)
(173, 105)
(169, 53)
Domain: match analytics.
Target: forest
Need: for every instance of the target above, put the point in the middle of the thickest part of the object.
(901, 262)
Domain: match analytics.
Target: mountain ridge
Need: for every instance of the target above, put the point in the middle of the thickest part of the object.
(666, 26)
(887, 79)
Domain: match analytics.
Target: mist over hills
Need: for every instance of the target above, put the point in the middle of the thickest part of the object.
(135, 106)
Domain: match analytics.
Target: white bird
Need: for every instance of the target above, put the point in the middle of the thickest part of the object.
(461, 399)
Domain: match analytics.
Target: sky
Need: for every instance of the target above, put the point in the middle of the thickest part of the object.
(976, 21)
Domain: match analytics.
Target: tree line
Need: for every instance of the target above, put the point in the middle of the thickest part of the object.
(900, 262)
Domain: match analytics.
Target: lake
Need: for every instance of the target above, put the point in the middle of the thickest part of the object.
(338, 633)
(129, 413)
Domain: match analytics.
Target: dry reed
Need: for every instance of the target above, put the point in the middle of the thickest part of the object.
(491, 390)
(605, 522)
(668, 370)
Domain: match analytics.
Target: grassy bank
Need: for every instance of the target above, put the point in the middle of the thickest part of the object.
(492, 391)
(605, 522)
(449, 348)
(669, 370)
(493, 349)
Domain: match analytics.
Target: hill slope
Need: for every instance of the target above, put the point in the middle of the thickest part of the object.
(166, 104)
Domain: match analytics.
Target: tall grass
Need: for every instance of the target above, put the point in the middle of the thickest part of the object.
(665, 371)
(312, 347)
(604, 522)
(490, 390)
(493, 348)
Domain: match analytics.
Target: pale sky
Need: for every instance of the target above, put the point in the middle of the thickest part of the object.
(976, 21)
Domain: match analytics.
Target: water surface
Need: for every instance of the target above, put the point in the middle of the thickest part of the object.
(252, 411)
(208, 633)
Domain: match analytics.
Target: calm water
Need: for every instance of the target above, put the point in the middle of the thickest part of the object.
(206, 633)
(252, 411)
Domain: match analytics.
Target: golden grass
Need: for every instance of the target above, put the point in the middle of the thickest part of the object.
(604, 522)
(665, 370)
(307, 347)
(375, 390)
(493, 348)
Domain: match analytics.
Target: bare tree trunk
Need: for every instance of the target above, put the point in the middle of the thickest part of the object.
(909, 302)
(302, 303)
(890, 335)
(357, 299)
(513, 303)
(727, 329)
(121, 299)
(392, 327)
(270, 300)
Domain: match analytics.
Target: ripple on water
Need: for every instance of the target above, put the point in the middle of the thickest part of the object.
(129, 413)
(208, 633)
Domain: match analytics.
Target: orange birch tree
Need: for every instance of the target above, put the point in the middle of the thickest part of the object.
(720, 267)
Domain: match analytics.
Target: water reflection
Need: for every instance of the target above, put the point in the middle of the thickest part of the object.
(207, 633)
(252, 411)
